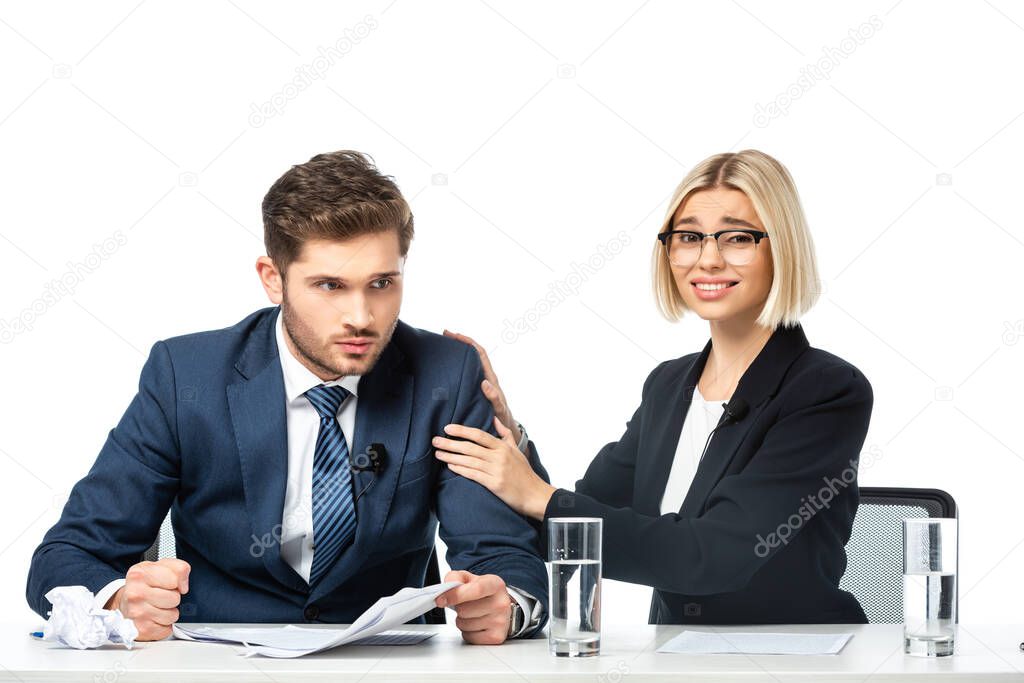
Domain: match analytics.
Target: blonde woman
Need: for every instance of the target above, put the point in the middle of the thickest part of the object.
(734, 487)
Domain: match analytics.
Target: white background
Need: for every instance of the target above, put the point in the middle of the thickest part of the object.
(526, 136)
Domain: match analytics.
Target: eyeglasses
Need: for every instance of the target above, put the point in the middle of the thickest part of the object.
(737, 247)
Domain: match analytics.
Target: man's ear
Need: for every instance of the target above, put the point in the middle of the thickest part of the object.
(270, 278)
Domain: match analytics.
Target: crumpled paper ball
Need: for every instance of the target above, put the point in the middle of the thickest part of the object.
(75, 622)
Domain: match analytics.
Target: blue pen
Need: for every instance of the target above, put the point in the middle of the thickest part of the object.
(36, 634)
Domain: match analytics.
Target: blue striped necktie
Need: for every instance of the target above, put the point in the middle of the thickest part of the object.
(334, 512)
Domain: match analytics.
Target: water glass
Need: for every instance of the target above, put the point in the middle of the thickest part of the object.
(929, 586)
(574, 562)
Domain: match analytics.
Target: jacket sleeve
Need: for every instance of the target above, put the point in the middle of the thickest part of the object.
(114, 514)
(483, 534)
(815, 444)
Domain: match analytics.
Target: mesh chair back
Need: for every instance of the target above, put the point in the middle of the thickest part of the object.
(163, 546)
(874, 553)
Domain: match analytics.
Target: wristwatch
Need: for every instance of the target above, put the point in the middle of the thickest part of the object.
(524, 439)
(515, 621)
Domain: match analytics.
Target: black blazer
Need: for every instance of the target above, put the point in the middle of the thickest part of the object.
(760, 536)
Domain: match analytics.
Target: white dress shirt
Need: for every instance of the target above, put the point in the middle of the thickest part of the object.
(701, 418)
(303, 426)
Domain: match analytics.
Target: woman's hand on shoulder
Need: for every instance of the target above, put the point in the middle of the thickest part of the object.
(497, 464)
(490, 387)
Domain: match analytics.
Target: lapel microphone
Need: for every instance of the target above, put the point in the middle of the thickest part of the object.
(372, 461)
(733, 411)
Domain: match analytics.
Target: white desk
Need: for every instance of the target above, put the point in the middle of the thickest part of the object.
(627, 655)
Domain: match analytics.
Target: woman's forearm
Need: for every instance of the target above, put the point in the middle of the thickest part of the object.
(538, 499)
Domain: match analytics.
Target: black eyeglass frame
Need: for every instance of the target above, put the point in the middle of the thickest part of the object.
(758, 235)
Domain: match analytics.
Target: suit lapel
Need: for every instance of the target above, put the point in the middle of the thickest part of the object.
(758, 384)
(258, 417)
(384, 416)
(666, 422)
(720, 453)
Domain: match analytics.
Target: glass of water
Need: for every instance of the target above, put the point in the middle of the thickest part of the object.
(929, 586)
(574, 561)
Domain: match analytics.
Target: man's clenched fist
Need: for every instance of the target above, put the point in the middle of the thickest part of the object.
(483, 605)
(150, 596)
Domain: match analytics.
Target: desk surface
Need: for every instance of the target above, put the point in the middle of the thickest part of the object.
(627, 655)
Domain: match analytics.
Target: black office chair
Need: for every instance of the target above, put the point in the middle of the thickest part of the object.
(874, 553)
(164, 546)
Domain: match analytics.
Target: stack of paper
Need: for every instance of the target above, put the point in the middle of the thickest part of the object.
(704, 643)
(294, 641)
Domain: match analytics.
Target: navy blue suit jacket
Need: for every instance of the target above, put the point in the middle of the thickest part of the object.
(206, 437)
(760, 535)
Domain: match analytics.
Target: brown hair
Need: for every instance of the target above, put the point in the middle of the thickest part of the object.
(333, 196)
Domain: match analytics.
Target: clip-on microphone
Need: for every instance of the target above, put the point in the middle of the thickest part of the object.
(733, 411)
(372, 461)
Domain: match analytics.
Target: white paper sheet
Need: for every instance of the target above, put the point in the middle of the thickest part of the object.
(295, 641)
(705, 643)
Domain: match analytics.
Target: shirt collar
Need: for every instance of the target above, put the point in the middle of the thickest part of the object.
(297, 377)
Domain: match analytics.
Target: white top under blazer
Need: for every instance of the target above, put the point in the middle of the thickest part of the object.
(701, 418)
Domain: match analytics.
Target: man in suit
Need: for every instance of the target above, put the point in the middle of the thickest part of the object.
(294, 447)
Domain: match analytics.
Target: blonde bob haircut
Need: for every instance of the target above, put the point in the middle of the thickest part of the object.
(771, 190)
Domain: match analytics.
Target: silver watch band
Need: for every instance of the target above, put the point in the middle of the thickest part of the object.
(515, 619)
(524, 439)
